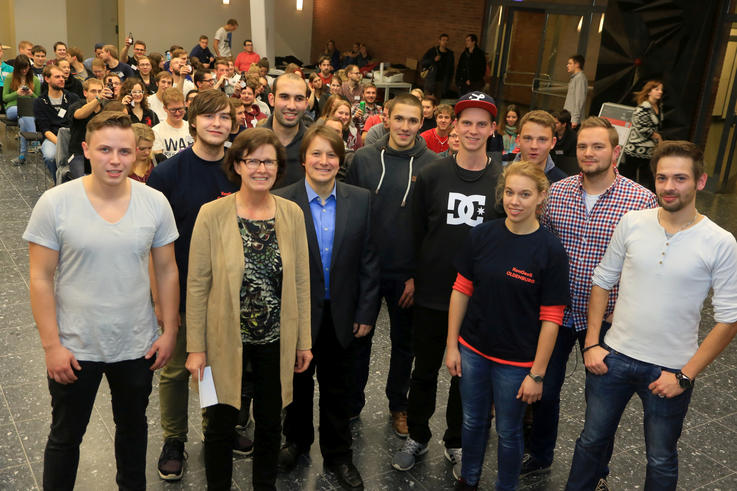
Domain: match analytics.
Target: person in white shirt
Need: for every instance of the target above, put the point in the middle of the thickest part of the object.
(90, 241)
(224, 38)
(666, 260)
(172, 134)
(155, 101)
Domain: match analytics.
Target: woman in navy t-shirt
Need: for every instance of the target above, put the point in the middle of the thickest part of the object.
(505, 309)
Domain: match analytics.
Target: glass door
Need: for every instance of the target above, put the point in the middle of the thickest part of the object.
(721, 139)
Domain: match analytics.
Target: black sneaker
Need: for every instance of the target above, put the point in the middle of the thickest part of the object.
(171, 460)
(242, 445)
(530, 464)
(461, 485)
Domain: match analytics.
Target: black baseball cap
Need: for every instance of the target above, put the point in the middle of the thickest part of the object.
(476, 99)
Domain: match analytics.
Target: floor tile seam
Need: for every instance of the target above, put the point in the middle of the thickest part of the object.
(705, 454)
(17, 435)
(716, 480)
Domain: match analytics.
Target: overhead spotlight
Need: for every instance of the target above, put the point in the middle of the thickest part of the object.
(299, 5)
(226, 2)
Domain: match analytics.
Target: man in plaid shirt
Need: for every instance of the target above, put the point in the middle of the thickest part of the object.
(582, 210)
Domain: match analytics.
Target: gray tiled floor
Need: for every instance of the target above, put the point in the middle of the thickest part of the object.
(708, 447)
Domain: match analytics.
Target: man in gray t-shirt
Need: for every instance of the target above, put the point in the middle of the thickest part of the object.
(89, 246)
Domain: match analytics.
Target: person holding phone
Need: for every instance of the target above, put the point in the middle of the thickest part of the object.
(132, 95)
(22, 84)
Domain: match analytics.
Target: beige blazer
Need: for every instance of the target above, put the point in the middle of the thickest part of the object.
(216, 264)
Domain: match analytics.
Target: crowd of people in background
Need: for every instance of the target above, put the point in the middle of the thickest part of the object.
(280, 209)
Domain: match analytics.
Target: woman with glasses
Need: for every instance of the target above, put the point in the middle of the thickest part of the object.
(133, 97)
(147, 76)
(248, 302)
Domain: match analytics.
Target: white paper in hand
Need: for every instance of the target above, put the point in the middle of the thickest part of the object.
(208, 397)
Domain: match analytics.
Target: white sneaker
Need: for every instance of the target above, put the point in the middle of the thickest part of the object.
(405, 459)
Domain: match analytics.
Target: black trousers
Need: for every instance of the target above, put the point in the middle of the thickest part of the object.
(221, 420)
(429, 334)
(71, 406)
(334, 367)
(638, 170)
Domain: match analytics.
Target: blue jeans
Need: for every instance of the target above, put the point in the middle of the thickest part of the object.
(484, 382)
(48, 150)
(546, 411)
(26, 123)
(606, 398)
(400, 360)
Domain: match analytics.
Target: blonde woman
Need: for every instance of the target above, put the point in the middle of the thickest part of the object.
(145, 162)
(505, 309)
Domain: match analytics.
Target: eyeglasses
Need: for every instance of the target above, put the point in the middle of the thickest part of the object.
(254, 164)
(176, 109)
(208, 80)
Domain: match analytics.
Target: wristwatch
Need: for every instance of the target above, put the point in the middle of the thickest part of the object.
(684, 381)
(536, 378)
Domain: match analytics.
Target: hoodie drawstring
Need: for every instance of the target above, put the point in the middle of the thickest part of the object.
(409, 182)
(409, 177)
(383, 171)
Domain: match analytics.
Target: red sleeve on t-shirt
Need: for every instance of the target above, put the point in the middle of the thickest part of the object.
(465, 286)
(552, 313)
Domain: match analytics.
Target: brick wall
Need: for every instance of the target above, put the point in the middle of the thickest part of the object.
(394, 30)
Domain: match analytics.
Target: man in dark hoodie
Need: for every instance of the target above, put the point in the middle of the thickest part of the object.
(388, 169)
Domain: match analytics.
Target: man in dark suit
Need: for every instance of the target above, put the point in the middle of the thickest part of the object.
(344, 278)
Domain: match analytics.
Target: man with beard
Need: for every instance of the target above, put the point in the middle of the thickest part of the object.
(370, 107)
(290, 103)
(180, 71)
(51, 111)
(582, 211)
(668, 259)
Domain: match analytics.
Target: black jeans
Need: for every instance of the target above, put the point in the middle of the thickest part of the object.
(221, 420)
(71, 406)
(400, 361)
(546, 411)
(638, 170)
(429, 334)
(334, 367)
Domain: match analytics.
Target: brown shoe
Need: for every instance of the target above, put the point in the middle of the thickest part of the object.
(399, 423)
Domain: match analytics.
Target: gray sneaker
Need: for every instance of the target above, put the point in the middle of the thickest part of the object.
(404, 460)
(455, 457)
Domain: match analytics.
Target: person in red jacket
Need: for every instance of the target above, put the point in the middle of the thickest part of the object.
(437, 138)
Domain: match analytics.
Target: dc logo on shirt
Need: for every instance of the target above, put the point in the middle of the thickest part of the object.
(464, 209)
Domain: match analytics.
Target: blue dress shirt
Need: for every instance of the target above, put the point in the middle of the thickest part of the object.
(323, 216)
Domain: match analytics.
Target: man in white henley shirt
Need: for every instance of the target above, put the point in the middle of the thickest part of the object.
(666, 260)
